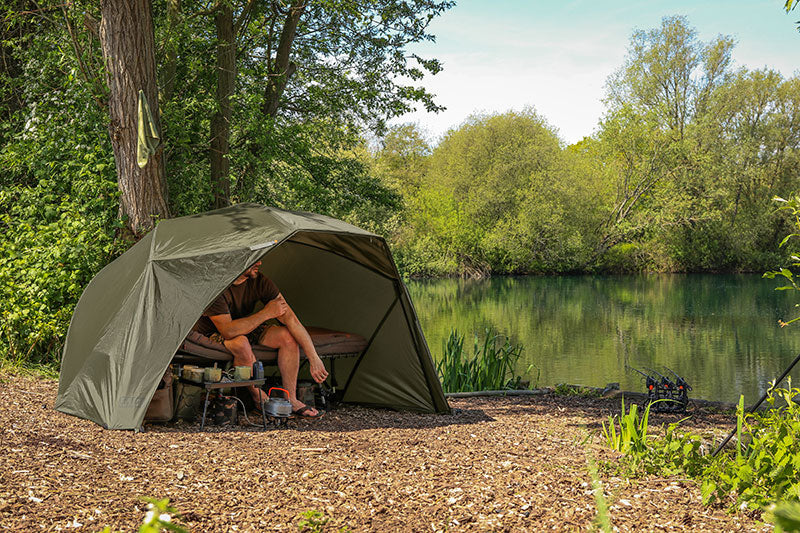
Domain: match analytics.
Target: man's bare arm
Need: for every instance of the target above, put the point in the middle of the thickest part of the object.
(300, 334)
(230, 328)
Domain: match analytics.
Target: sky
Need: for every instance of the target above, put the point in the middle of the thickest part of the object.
(555, 56)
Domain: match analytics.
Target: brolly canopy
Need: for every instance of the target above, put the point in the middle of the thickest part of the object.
(134, 315)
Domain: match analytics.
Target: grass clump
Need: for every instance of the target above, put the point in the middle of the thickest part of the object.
(628, 432)
(491, 366)
(16, 367)
(602, 520)
(674, 453)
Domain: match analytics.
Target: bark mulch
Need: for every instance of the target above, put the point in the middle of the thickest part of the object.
(495, 464)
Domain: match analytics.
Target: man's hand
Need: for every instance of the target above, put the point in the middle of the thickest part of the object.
(276, 308)
(317, 368)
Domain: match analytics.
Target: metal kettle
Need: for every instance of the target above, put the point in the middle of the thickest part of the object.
(276, 406)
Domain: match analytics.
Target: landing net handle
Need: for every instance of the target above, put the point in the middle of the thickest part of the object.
(759, 402)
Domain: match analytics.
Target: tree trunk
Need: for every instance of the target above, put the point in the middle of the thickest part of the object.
(126, 36)
(221, 121)
(282, 68)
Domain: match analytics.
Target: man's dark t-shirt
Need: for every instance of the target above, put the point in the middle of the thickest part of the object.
(238, 301)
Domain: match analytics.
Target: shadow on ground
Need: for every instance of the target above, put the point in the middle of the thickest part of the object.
(346, 418)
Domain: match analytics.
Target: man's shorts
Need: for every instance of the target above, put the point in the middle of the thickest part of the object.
(254, 336)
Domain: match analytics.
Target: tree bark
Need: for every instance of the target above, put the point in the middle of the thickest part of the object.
(221, 121)
(282, 68)
(128, 43)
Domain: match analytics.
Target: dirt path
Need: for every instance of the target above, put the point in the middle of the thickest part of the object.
(499, 464)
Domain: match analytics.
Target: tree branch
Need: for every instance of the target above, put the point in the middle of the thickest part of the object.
(283, 68)
(76, 47)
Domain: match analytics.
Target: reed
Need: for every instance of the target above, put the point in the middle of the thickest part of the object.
(632, 434)
(491, 366)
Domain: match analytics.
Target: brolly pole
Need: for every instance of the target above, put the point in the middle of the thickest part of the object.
(764, 397)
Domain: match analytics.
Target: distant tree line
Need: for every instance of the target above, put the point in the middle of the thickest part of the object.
(679, 176)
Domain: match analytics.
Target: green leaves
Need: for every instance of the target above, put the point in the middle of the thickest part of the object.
(492, 365)
(785, 516)
(764, 468)
(632, 435)
(58, 214)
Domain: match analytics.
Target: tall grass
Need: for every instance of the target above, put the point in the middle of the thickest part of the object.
(491, 366)
(632, 434)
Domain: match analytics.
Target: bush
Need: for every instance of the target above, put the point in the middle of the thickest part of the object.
(58, 221)
(766, 464)
(49, 254)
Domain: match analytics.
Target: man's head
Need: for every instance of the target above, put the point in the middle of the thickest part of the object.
(251, 272)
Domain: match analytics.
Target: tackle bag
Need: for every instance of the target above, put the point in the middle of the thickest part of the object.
(162, 406)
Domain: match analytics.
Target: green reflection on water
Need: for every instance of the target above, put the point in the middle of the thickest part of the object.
(718, 331)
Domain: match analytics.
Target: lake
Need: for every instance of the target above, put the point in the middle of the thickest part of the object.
(720, 332)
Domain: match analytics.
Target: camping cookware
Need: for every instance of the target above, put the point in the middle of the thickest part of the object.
(212, 375)
(276, 406)
(193, 373)
(242, 373)
(305, 392)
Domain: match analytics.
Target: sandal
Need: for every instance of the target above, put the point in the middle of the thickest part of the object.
(302, 412)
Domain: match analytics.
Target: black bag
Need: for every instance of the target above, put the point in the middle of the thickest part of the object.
(222, 410)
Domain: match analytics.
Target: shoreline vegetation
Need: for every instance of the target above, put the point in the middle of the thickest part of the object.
(477, 276)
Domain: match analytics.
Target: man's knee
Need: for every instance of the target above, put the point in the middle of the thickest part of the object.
(286, 339)
(238, 344)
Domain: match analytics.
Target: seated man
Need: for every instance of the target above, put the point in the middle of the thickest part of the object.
(230, 319)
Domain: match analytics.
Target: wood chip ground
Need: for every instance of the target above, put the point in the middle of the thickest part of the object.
(494, 464)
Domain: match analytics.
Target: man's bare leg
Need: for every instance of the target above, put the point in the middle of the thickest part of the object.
(288, 361)
(243, 356)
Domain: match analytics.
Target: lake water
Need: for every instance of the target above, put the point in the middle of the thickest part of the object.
(720, 332)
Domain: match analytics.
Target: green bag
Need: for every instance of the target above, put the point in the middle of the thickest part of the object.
(189, 403)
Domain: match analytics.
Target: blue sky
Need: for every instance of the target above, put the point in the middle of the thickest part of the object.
(556, 55)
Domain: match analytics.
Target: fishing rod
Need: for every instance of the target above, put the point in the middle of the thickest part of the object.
(680, 394)
(664, 395)
(648, 376)
(665, 381)
(653, 392)
(650, 381)
(674, 392)
(759, 402)
(681, 383)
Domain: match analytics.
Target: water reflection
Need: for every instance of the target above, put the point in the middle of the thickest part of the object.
(718, 331)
